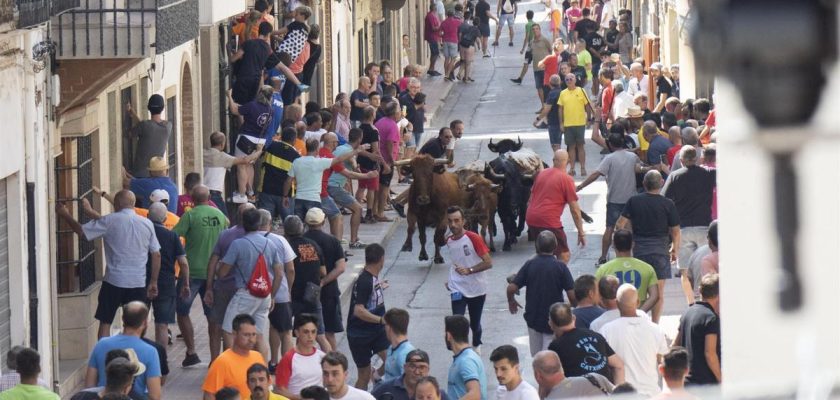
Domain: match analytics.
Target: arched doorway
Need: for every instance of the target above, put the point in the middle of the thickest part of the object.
(188, 145)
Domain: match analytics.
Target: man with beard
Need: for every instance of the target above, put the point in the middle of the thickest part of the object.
(259, 381)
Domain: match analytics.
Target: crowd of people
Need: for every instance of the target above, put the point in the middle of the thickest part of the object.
(272, 301)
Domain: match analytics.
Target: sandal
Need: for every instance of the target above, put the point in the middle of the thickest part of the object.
(358, 245)
(384, 219)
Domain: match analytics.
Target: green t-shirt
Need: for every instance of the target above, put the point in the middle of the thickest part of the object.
(28, 392)
(200, 228)
(528, 31)
(585, 58)
(630, 270)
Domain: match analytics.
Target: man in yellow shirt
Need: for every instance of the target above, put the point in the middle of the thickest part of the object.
(259, 380)
(574, 111)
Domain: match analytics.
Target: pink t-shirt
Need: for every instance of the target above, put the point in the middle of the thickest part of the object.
(573, 12)
(389, 131)
(450, 29)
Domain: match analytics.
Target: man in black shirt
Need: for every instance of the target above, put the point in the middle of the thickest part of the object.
(656, 226)
(692, 189)
(369, 160)
(546, 278)
(611, 36)
(585, 25)
(365, 320)
(484, 15)
(250, 61)
(699, 333)
(279, 156)
(578, 70)
(309, 271)
(582, 351)
(334, 261)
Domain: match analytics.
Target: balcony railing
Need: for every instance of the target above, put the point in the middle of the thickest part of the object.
(107, 28)
(33, 12)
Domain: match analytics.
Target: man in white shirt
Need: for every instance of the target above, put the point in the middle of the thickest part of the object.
(216, 164)
(308, 171)
(639, 82)
(299, 367)
(467, 284)
(334, 367)
(622, 100)
(637, 341)
(511, 385)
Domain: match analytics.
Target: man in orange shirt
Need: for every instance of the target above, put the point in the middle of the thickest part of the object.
(553, 189)
(231, 367)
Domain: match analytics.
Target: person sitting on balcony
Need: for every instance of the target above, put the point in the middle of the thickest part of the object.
(129, 242)
(152, 135)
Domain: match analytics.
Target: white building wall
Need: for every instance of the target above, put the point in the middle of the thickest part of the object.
(23, 104)
(765, 350)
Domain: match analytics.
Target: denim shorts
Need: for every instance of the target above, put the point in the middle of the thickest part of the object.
(539, 76)
(329, 207)
(197, 288)
(613, 212)
(341, 196)
(555, 135)
(661, 263)
(274, 205)
(163, 309)
(450, 50)
(434, 48)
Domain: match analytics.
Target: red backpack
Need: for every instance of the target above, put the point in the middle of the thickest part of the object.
(259, 285)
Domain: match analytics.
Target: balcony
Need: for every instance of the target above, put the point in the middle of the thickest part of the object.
(36, 12)
(124, 28)
(214, 11)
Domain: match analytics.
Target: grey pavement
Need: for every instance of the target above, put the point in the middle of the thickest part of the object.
(492, 108)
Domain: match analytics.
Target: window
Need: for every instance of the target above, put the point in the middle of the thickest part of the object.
(76, 262)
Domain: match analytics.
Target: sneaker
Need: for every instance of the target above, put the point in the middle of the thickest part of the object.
(343, 242)
(190, 360)
(358, 245)
(239, 198)
(435, 73)
(510, 44)
(486, 56)
(517, 81)
(477, 349)
(399, 208)
(495, 44)
(303, 88)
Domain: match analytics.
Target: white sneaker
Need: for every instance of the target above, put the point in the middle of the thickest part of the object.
(477, 349)
(239, 198)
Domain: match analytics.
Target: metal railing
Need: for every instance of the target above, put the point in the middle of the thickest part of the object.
(98, 19)
(35, 12)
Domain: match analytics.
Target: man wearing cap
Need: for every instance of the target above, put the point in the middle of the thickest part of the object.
(134, 315)
(129, 242)
(334, 260)
(158, 179)
(152, 135)
(417, 366)
(158, 195)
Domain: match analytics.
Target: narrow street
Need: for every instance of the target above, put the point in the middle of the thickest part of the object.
(492, 108)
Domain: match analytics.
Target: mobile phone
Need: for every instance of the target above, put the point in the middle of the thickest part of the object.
(662, 158)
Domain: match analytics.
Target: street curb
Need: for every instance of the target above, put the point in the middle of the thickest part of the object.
(344, 287)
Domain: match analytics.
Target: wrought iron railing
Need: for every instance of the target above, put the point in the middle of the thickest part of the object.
(95, 21)
(35, 12)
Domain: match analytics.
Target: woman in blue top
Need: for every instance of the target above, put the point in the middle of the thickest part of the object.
(254, 117)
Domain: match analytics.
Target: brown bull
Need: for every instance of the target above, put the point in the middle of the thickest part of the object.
(430, 194)
(482, 198)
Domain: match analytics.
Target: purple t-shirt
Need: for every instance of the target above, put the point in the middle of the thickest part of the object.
(256, 117)
(222, 245)
(389, 132)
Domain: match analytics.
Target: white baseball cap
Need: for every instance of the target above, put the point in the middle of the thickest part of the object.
(159, 195)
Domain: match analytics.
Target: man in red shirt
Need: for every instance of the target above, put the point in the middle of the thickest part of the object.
(605, 77)
(431, 33)
(329, 143)
(553, 189)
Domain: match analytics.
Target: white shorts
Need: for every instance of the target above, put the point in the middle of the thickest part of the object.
(244, 303)
(239, 153)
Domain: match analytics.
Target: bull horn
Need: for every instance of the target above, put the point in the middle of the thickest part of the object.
(441, 161)
(400, 163)
(493, 186)
(528, 176)
(470, 187)
(494, 174)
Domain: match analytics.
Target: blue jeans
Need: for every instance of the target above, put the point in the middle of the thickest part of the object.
(301, 207)
(217, 198)
(274, 205)
(476, 307)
